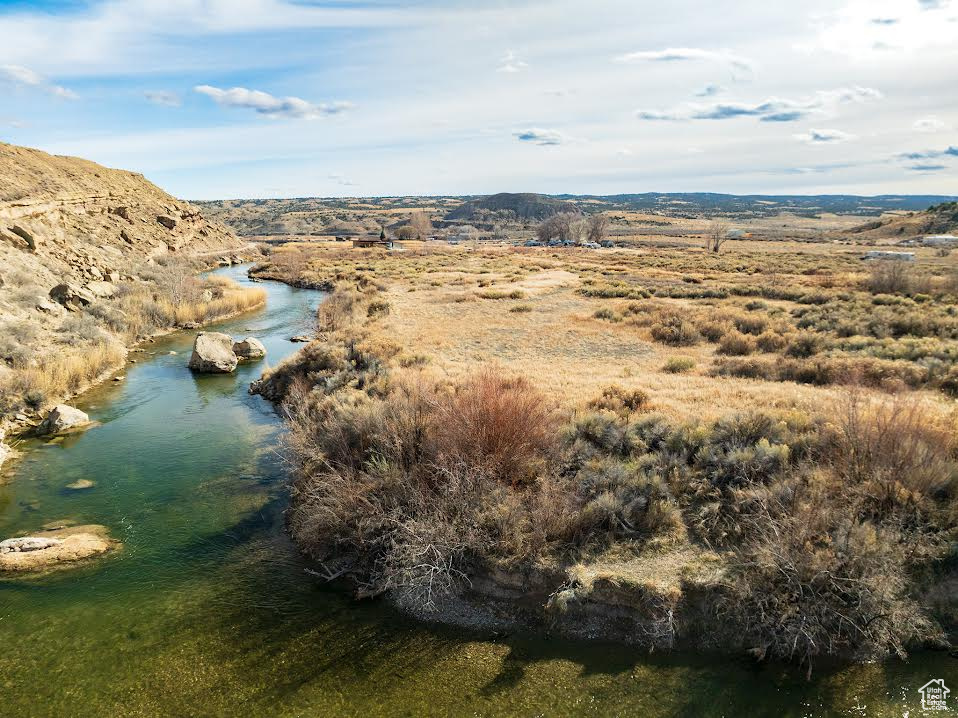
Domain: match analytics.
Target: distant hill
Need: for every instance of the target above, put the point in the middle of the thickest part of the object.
(524, 206)
(61, 215)
(678, 204)
(939, 219)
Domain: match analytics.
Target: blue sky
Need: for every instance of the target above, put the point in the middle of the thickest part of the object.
(260, 98)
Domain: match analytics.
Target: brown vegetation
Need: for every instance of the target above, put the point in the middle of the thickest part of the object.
(792, 534)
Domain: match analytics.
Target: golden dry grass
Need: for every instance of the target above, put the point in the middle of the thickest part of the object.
(451, 309)
(67, 372)
(67, 369)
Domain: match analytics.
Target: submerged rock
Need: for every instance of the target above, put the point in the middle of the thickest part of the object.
(81, 484)
(63, 418)
(249, 348)
(58, 548)
(213, 353)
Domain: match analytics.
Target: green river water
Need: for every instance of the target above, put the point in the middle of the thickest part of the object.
(207, 610)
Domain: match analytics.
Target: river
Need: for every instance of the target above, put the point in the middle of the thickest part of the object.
(207, 610)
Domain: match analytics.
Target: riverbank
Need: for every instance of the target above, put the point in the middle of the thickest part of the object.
(778, 530)
(209, 609)
(133, 315)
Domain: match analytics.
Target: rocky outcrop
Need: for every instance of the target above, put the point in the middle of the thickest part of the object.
(55, 549)
(213, 353)
(101, 289)
(248, 349)
(71, 296)
(61, 419)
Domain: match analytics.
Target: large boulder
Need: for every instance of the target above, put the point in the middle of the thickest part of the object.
(71, 296)
(249, 348)
(103, 290)
(54, 549)
(63, 418)
(213, 353)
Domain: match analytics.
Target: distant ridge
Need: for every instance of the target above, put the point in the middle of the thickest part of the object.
(525, 206)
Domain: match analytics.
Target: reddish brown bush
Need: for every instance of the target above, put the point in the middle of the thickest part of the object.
(499, 425)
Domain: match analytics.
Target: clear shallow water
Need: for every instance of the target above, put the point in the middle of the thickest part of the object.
(207, 610)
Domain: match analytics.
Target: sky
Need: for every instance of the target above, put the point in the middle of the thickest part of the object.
(216, 99)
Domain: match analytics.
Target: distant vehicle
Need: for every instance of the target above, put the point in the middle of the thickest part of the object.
(608, 244)
(533, 243)
(592, 245)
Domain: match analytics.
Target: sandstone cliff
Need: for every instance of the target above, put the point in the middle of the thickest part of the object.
(63, 215)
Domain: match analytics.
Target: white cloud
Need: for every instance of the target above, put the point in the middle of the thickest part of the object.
(24, 76)
(432, 102)
(163, 97)
(539, 136)
(687, 54)
(270, 106)
(865, 29)
(929, 123)
(773, 109)
(511, 63)
(816, 137)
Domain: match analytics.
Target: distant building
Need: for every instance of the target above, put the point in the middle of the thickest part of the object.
(372, 243)
(894, 256)
(939, 240)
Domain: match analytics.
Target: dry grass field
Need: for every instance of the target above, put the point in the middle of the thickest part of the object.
(575, 321)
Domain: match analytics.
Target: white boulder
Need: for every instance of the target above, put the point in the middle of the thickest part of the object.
(63, 418)
(213, 353)
(102, 290)
(249, 348)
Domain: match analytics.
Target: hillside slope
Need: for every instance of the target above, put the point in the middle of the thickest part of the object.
(64, 214)
(120, 244)
(940, 219)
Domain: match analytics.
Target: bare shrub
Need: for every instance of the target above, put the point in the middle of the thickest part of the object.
(736, 344)
(675, 331)
(598, 227)
(889, 277)
(498, 425)
(716, 235)
(338, 310)
(812, 580)
(621, 401)
(890, 448)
